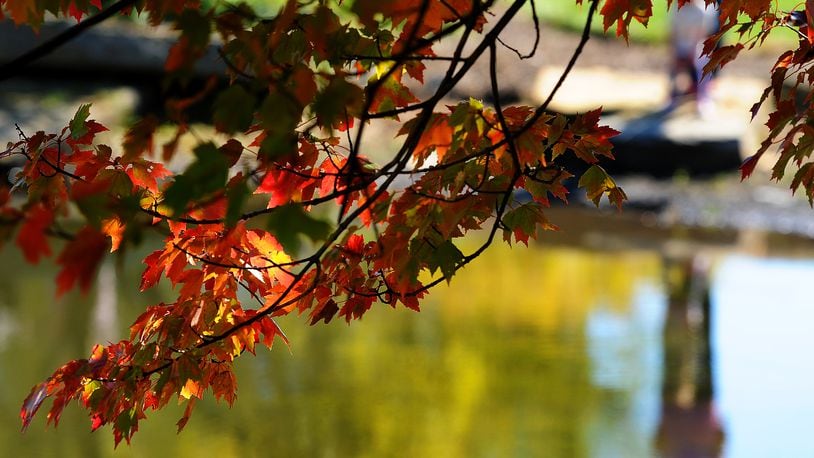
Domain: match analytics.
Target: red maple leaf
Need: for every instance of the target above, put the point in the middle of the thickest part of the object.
(79, 260)
(32, 239)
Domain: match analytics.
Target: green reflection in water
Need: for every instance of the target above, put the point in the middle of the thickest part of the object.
(498, 364)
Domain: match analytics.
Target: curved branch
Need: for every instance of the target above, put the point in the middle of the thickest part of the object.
(536, 20)
(586, 35)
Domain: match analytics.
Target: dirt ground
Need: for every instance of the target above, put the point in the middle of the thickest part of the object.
(556, 46)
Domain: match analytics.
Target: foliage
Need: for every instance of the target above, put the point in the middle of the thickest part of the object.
(569, 15)
(303, 86)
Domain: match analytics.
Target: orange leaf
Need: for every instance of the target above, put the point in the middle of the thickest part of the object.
(192, 388)
(187, 413)
(146, 174)
(22, 12)
(113, 228)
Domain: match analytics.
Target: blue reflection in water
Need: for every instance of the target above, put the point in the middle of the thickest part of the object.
(626, 356)
(763, 316)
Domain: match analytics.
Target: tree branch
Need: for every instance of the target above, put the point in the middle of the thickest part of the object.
(15, 66)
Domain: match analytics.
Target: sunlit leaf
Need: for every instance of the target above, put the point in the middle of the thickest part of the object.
(77, 124)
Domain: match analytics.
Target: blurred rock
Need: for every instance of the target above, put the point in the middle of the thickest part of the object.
(588, 88)
(116, 49)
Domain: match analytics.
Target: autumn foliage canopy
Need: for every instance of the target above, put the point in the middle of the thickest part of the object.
(289, 214)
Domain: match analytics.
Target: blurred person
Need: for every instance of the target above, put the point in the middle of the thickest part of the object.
(691, 25)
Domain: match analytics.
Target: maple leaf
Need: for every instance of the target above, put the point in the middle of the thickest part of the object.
(195, 31)
(79, 260)
(436, 137)
(113, 227)
(224, 386)
(622, 12)
(32, 403)
(445, 257)
(96, 422)
(125, 425)
(78, 123)
(597, 182)
(203, 177)
(146, 174)
(391, 94)
(23, 12)
(324, 312)
(182, 422)
(234, 109)
(297, 76)
(289, 221)
(805, 177)
(32, 238)
(524, 222)
(192, 388)
(75, 12)
(356, 306)
(269, 330)
(722, 56)
(152, 273)
(748, 165)
(139, 138)
(338, 103)
(416, 20)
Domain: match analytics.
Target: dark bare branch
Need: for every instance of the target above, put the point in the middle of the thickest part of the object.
(16, 66)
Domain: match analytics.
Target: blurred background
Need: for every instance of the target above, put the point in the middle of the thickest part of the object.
(677, 327)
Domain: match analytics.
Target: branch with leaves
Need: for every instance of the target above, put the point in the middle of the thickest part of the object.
(306, 84)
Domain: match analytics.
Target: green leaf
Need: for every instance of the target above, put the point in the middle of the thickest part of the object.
(292, 48)
(195, 27)
(338, 99)
(236, 196)
(96, 206)
(145, 354)
(290, 221)
(77, 125)
(597, 182)
(279, 114)
(125, 425)
(464, 112)
(204, 176)
(446, 257)
(278, 146)
(524, 221)
(234, 110)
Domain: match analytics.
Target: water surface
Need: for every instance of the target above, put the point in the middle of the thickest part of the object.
(553, 352)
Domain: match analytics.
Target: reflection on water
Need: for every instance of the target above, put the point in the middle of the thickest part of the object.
(531, 352)
(762, 312)
(689, 426)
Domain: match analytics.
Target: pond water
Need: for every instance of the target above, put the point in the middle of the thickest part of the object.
(556, 352)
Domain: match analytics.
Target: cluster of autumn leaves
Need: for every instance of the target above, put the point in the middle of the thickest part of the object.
(303, 86)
